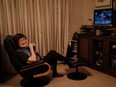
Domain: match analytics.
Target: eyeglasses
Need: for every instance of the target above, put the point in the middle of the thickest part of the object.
(22, 39)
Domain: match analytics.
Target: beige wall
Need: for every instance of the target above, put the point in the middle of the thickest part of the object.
(89, 6)
(80, 12)
(76, 15)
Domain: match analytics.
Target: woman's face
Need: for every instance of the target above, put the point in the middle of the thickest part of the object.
(22, 42)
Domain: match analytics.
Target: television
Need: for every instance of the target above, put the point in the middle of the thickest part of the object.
(104, 18)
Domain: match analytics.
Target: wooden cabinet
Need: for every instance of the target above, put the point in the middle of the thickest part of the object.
(111, 54)
(103, 54)
(84, 46)
(100, 51)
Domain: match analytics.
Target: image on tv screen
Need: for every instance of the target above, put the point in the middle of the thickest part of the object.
(103, 17)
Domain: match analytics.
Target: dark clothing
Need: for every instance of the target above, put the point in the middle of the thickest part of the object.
(24, 54)
(50, 58)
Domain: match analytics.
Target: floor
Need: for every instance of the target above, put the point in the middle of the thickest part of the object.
(94, 79)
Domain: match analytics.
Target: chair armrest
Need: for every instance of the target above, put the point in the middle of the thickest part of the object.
(45, 73)
(33, 70)
(32, 65)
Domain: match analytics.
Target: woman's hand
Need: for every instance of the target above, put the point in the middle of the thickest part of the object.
(31, 46)
(32, 57)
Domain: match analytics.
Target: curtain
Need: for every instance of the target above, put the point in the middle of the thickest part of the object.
(45, 22)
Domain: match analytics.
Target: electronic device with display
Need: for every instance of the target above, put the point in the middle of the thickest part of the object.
(104, 18)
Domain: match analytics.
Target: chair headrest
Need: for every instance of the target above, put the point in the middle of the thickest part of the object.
(9, 42)
(10, 47)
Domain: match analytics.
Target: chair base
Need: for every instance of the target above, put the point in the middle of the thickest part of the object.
(36, 82)
(77, 76)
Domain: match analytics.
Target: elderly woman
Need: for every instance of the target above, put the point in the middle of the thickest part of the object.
(27, 54)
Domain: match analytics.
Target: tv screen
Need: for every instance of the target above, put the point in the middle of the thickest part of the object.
(103, 17)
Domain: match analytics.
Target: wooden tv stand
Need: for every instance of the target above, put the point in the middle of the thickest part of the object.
(100, 51)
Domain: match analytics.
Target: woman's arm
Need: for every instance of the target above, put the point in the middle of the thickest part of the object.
(32, 57)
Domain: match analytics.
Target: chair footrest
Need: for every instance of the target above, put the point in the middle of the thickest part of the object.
(36, 82)
(76, 76)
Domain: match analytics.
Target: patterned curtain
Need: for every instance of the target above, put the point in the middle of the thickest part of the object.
(44, 22)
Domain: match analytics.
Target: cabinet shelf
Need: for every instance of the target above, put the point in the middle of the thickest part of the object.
(97, 53)
(112, 55)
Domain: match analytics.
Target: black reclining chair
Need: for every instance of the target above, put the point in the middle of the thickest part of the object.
(30, 72)
(75, 63)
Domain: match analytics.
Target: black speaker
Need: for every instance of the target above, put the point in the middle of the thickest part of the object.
(114, 18)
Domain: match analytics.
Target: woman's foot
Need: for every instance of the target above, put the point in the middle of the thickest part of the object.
(58, 75)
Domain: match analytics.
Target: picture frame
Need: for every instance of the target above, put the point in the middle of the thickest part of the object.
(102, 3)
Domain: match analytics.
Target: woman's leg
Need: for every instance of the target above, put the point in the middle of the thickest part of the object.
(53, 55)
(52, 58)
